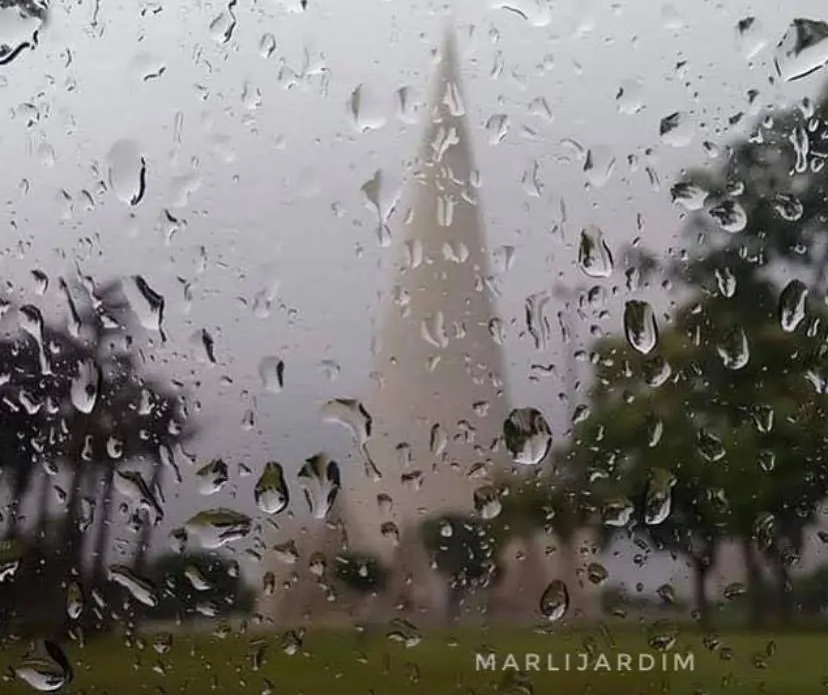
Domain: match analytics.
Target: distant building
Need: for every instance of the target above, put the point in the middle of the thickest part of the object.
(438, 402)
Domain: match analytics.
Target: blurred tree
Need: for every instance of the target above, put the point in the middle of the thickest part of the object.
(198, 584)
(361, 573)
(74, 399)
(463, 551)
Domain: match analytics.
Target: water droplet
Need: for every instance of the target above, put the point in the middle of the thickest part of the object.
(788, 207)
(286, 553)
(20, 25)
(734, 350)
(690, 196)
(554, 602)
(640, 326)
(792, 304)
(662, 635)
(405, 632)
(127, 171)
(527, 436)
(596, 573)
(764, 530)
(767, 460)
(734, 590)
(658, 498)
(197, 579)
(365, 110)
(763, 418)
(267, 45)
(438, 440)
(616, 512)
(74, 601)
(212, 477)
(271, 491)
(320, 482)
(726, 281)
(599, 164)
(146, 303)
(30, 321)
(224, 25)
(749, 35)
(730, 215)
(350, 413)
(45, 667)
(487, 502)
(802, 50)
(214, 528)
(676, 130)
(85, 386)
(710, 446)
(667, 593)
(272, 374)
(594, 256)
(141, 589)
(630, 97)
(132, 485)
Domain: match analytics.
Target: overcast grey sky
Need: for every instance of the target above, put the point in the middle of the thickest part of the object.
(256, 153)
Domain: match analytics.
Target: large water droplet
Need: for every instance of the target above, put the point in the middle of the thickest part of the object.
(85, 386)
(487, 502)
(20, 25)
(214, 528)
(350, 413)
(127, 171)
(132, 485)
(640, 326)
(730, 215)
(141, 589)
(802, 50)
(658, 498)
(527, 436)
(320, 482)
(74, 601)
(212, 477)
(734, 349)
(617, 511)
(676, 130)
(710, 446)
(792, 303)
(146, 303)
(272, 374)
(594, 256)
(554, 602)
(271, 491)
(45, 667)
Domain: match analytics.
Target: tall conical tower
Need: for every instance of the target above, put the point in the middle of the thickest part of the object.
(438, 405)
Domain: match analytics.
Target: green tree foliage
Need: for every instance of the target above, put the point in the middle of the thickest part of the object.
(727, 413)
(198, 584)
(361, 573)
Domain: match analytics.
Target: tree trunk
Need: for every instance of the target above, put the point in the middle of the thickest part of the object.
(783, 588)
(701, 568)
(145, 537)
(102, 532)
(755, 584)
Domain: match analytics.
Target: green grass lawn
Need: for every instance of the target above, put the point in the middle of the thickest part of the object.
(345, 662)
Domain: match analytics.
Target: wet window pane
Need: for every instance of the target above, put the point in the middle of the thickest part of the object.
(476, 347)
